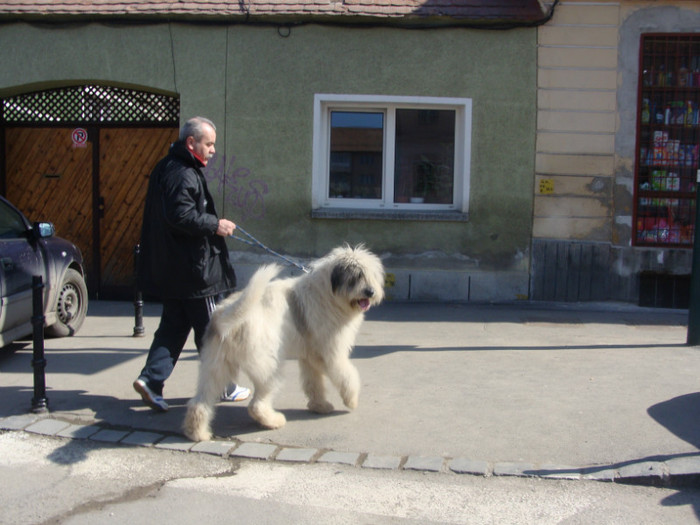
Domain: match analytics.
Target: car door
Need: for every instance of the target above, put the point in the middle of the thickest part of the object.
(20, 260)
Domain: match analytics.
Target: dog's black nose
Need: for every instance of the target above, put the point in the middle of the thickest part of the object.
(369, 292)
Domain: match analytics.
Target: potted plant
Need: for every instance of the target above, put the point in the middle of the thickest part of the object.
(426, 179)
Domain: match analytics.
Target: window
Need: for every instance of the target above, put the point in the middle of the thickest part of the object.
(385, 154)
(668, 140)
(12, 225)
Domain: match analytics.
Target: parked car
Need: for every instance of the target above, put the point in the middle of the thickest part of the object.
(27, 250)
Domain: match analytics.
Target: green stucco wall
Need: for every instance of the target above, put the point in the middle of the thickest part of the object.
(258, 86)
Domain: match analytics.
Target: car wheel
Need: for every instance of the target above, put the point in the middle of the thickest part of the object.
(71, 306)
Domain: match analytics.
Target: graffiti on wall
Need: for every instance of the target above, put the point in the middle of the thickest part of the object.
(238, 186)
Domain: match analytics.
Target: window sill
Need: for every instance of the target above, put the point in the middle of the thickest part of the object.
(389, 215)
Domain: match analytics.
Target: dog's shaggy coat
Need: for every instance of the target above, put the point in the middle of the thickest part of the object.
(314, 318)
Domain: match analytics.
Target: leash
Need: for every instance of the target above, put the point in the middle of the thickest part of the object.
(254, 242)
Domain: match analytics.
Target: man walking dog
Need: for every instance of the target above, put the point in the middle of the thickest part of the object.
(184, 259)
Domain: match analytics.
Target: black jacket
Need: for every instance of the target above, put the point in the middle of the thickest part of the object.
(181, 255)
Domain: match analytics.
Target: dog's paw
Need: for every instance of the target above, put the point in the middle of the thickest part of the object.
(320, 407)
(267, 418)
(274, 420)
(198, 435)
(351, 402)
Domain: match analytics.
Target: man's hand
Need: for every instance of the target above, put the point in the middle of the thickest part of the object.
(225, 228)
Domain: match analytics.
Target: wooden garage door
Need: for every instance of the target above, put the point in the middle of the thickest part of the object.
(51, 179)
(127, 157)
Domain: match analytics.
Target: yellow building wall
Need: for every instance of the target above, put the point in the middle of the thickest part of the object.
(576, 122)
(579, 85)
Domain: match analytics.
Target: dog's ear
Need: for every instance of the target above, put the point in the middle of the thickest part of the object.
(337, 277)
(345, 274)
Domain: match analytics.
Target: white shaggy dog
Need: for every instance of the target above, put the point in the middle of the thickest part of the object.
(314, 317)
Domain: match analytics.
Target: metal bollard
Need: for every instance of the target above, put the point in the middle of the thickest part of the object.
(139, 331)
(40, 402)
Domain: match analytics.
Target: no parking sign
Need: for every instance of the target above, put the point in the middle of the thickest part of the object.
(79, 136)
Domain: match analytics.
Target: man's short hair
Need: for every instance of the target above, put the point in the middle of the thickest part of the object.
(194, 127)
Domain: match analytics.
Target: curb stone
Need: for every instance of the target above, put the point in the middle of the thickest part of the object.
(344, 458)
(514, 469)
(646, 472)
(382, 462)
(255, 451)
(109, 436)
(684, 470)
(19, 422)
(141, 438)
(601, 473)
(430, 464)
(297, 455)
(469, 466)
(47, 427)
(79, 431)
(175, 443)
(558, 472)
(216, 448)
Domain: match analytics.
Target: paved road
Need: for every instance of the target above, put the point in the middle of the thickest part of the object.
(48, 480)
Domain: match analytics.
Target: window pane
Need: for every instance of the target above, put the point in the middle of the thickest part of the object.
(665, 221)
(11, 225)
(357, 141)
(425, 147)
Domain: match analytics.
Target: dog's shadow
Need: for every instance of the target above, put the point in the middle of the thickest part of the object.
(234, 421)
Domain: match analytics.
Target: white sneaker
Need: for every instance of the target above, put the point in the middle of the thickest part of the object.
(236, 393)
(149, 397)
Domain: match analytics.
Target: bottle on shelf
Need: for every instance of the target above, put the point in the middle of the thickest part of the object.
(683, 75)
(689, 114)
(646, 114)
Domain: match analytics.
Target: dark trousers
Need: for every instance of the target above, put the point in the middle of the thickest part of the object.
(178, 318)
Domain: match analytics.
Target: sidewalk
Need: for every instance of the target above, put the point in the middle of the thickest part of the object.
(603, 390)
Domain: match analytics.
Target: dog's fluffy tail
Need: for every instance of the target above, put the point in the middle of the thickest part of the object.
(235, 309)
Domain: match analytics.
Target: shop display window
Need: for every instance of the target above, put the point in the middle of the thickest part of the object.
(668, 140)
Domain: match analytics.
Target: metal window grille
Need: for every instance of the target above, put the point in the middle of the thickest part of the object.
(668, 140)
(90, 104)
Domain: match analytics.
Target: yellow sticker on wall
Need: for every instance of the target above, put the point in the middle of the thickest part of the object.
(546, 186)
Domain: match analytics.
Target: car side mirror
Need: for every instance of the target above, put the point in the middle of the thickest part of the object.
(44, 229)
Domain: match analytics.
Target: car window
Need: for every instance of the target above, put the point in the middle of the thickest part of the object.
(11, 224)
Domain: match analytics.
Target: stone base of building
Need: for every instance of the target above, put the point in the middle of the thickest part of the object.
(583, 271)
(561, 271)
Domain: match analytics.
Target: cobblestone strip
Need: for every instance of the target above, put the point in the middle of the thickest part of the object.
(683, 470)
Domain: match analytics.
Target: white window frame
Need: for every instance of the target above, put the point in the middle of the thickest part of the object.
(325, 103)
